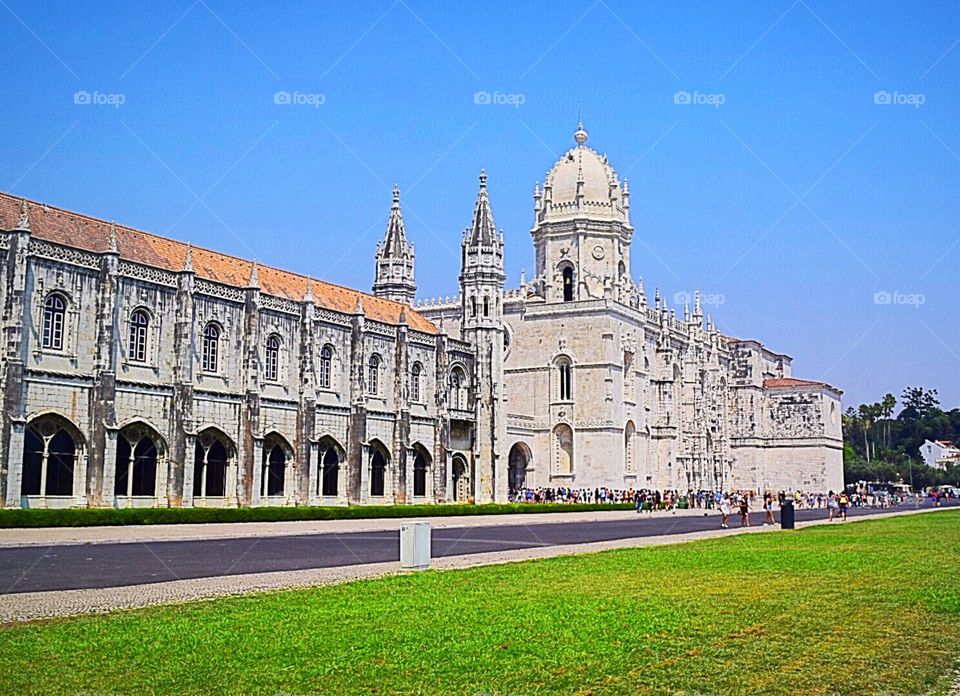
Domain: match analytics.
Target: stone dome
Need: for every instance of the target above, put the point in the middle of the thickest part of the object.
(584, 171)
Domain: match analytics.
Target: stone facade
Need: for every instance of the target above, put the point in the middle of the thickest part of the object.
(138, 371)
(601, 389)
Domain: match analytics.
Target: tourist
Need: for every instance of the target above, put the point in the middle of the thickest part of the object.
(744, 511)
(832, 505)
(725, 511)
(842, 502)
(768, 508)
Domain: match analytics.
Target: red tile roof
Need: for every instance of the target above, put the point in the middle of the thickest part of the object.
(90, 234)
(790, 382)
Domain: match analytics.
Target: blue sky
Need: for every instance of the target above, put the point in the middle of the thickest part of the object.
(819, 221)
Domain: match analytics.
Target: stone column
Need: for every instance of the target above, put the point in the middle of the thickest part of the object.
(15, 308)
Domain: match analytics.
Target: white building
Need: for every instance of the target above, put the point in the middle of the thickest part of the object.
(138, 371)
(939, 453)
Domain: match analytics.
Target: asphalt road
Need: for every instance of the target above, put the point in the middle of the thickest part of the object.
(68, 567)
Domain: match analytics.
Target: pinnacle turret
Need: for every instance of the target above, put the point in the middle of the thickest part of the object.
(482, 230)
(395, 259)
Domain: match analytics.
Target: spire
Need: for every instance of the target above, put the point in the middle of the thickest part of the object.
(657, 298)
(641, 295)
(254, 281)
(24, 222)
(697, 306)
(403, 316)
(359, 308)
(308, 294)
(112, 243)
(188, 259)
(395, 239)
(394, 278)
(482, 231)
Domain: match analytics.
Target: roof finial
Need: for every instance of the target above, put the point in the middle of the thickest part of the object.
(483, 178)
(581, 135)
(188, 259)
(254, 281)
(112, 243)
(24, 222)
(308, 295)
(359, 308)
(396, 196)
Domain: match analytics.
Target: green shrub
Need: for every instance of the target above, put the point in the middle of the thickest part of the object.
(96, 517)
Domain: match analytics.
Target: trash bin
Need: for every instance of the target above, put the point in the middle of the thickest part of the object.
(786, 514)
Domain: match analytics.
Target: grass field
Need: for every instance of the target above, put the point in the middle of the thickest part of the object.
(863, 608)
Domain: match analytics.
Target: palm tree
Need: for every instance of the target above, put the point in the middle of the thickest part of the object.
(887, 404)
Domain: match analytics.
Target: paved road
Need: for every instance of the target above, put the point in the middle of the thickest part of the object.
(114, 565)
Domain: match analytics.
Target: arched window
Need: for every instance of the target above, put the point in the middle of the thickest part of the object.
(331, 468)
(54, 311)
(210, 351)
(473, 306)
(136, 463)
(563, 449)
(629, 448)
(378, 468)
(139, 323)
(50, 453)
(420, 465)
(486, 307)
(565, 371)
(373, 375)
(568, 284)
(457, 379)
(415, 382)
(272, 361)
(326, 366)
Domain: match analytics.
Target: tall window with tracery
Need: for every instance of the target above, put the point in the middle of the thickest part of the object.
(415, 382)
(272, 361)
(373, 375)
(326, 367)
(210, 348)
(139, 324)
(565, 370)
(54, 312)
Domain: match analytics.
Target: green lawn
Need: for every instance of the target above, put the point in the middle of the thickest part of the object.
(863, 608)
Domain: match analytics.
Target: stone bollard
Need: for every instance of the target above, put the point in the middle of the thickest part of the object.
(415, 546)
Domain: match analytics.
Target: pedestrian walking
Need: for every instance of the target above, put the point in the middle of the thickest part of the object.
(744, 511)
(725, 511)
(842, 503)
(768, 508)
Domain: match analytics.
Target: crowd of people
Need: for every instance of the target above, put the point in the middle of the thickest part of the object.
(836, 504)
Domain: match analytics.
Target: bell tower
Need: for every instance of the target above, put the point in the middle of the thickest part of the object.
(481, 288)
(581, 231)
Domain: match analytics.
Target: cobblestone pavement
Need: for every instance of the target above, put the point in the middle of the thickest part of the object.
(25, 606)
